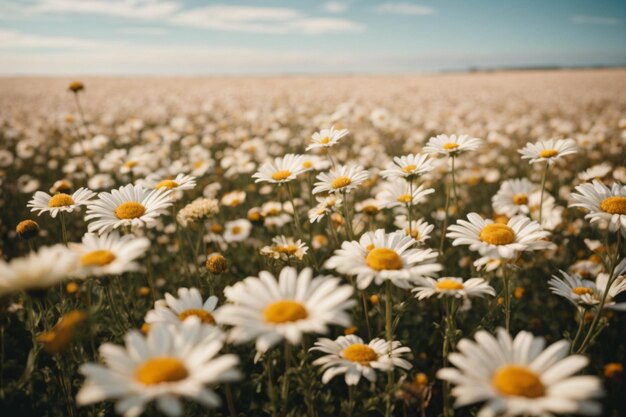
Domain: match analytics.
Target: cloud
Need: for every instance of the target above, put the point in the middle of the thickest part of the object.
(11, 39)
(142, 30)
(272, 20)
(404, 8)
(135, 9)
(335, 6)
(596, 20)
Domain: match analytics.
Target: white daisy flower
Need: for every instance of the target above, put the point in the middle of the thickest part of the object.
(548, 150)
(451, 145)
(519, 377)
(514, 196)
(37, 270)
(285, 248)
(181, 182)
(237, 230)
(351, 356)
(169, 363)
(189, 303)
(596, 172)
(60, 202)
(452, 287)
(315, 163)
(498, 240)
(233, 198)
(379, 257)
(420, 229)
(408, 167)
(268, 310)
(109, 253)
(341, 179)
(326, 138)
(604, 203)
(280, 170)
(325, 206)
(130, 205)
(398, 193)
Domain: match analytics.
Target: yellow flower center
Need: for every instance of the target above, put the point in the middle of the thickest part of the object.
(548, 153)
(450, 146)
(497, 234)
(340, 182)
(217, 228)
(582, 290)
(383, 259)
(414, 233)
(100, 257)
(204, 316)
(131, 164)
(409, 168)
(198, 164)
(307, 164)
(325, 140)
(169, 184)
(517, 381)
(161, 369)
(449, 285)
(520, 199)
(129, 210)
(360, 353)
(612, 205)
(288, 249)
(236, 230)
(60, 200)
(281, 175)
(284, 311)
(404, 198)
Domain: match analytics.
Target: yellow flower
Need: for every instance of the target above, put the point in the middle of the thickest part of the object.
(62, 334)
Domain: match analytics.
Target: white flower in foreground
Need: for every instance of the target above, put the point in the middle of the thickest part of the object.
(60, 202)
(548, 150)
(451, 145)
(181, 182)
(498, 240)
(109, 253)
(270, 310)
(603, 203)
(326, 138)
(189, 303)
(342, 179)
(379, 257)
(281, 170)
(130, 205)
(452, 287)
(408, 167)
(169, 363)
(351, 356)
(37, 270)
(398, 193)
(519, 377)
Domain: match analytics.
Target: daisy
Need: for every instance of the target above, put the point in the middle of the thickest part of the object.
(326, 138)
(60, 202)
(237, 230)
(586, 294)
(408, 167)
(37, 270)
(420, 229)
(341, 179)
(548, 150)
(130, 205)
(604, 203)
(497, 240)
(188, 304)
(326, 205)
(351, 356)
(109, 253)
(169, 363)
(451, 145)
(280, 170)
(513, 197)
(285, 248)
(398, 193)
(233, 198)
(452, 287)
(379, 257)
(197, 211)
(519, 377)
(181, 182)
(268, 310)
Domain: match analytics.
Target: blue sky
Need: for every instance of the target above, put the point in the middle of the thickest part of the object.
(193, 37)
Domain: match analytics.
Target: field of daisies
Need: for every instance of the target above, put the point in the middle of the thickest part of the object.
(437, 245)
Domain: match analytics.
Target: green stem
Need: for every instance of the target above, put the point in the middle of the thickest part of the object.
(271, 389)
(366, 314)
(543, 187)
(456, 199)
(348, 219)
(285, 387)
(445, 221)
(581, 326)
(229, 399)
(63, 228)
(389, 337)
(507, 297)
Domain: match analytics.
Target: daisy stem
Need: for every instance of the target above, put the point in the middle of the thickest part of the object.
(454, 180)
(63, 228)
(543, 187)
(80, 112)
(296, 216)
(389, 337)
(271, 390)
(350, 400)
(581, 326)
(445, 221)
(409, 208)
(333, 231)
(348, 219)
(230, 401)
(448, 339)
(591, 333)
(507, 297)
(285, 387)
(367, 315)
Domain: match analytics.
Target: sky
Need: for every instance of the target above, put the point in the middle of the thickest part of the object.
(202, 37)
